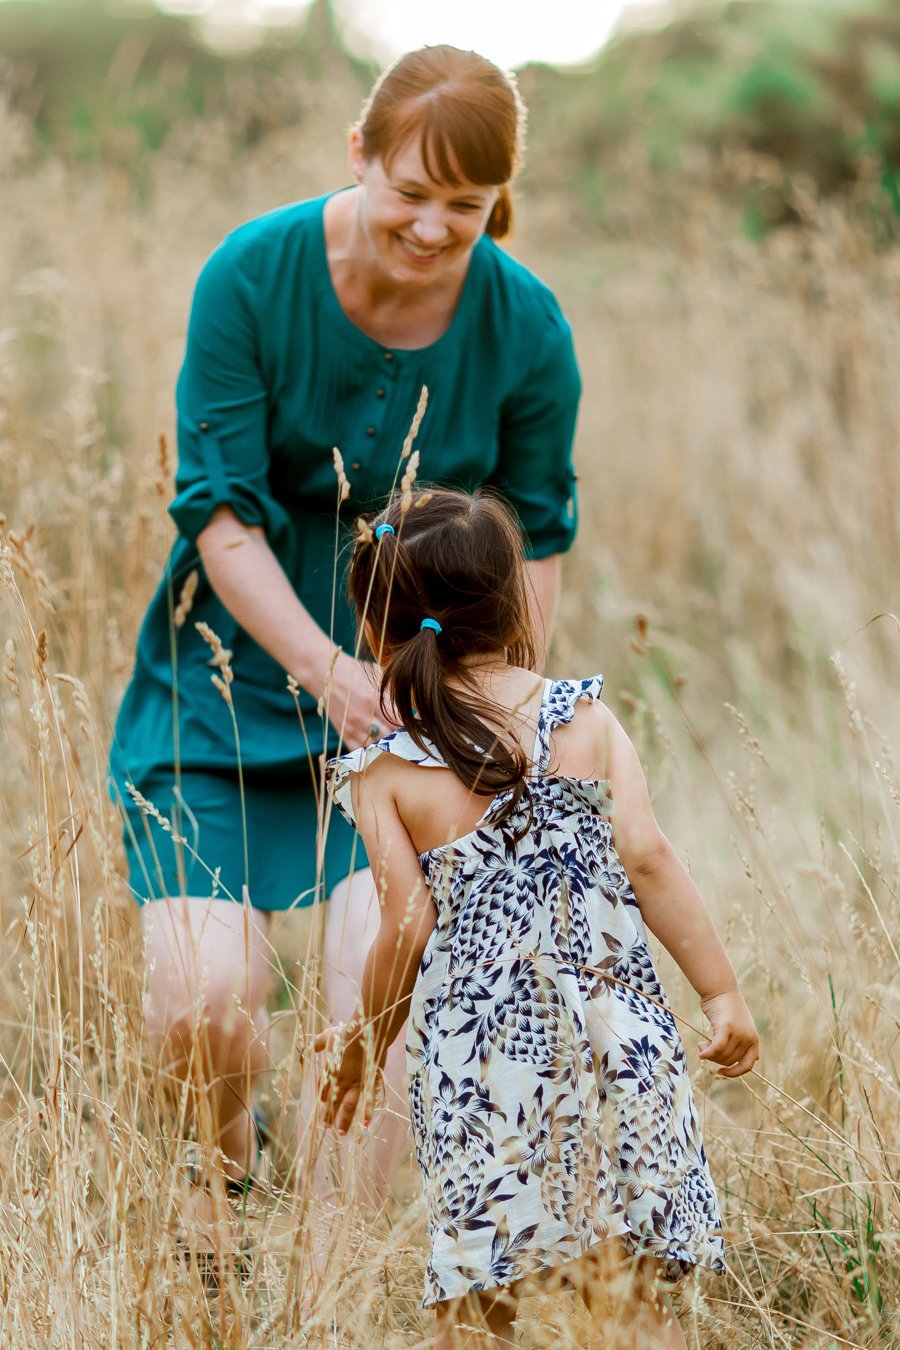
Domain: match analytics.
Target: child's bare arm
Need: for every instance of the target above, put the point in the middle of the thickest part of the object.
(408, 917)
(673, 910)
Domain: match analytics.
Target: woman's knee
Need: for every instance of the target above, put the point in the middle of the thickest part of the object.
(207, 973)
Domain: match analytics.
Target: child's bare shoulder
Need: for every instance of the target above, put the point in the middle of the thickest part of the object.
(384, 771)
(582, 744)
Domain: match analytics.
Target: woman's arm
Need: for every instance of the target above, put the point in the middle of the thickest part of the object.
(544, 577)
(673, 910)
(223, 496)
(252, 585)
(408, 917)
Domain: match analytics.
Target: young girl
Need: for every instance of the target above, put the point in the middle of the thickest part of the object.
(518, 863)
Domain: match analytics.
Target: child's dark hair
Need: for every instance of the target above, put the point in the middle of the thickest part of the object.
(456, 559)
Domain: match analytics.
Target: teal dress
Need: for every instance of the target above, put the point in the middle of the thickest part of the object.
(275, 376)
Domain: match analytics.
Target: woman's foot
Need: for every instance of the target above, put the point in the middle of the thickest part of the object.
(212, 1231)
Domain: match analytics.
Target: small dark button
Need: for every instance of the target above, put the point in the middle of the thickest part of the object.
(204, 426)
(389, 356)
(370, 431)
(356, 464)
(379, 393)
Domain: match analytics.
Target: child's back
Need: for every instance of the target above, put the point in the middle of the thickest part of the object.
(548, 1086)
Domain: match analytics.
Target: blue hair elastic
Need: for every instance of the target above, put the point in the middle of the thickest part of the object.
(432, 624)
(384, 529)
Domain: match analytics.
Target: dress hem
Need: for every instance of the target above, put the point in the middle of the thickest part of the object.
(628, 1236)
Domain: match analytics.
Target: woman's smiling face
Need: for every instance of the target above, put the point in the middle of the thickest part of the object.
(420, 232)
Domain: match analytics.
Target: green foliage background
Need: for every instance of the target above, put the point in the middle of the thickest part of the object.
(809, 87)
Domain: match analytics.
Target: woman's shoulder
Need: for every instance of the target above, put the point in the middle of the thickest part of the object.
(257, 249)
(518, 292)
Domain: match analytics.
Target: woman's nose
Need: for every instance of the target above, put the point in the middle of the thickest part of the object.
(430, 225)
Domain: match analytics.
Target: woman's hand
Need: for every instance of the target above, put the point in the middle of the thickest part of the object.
(351, 1074)
(734, 1043)
(353, 702)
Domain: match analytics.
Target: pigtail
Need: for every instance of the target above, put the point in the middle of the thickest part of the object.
(454, 561)
(464, 731)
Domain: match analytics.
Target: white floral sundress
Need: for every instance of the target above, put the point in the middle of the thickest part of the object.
(549, 1092)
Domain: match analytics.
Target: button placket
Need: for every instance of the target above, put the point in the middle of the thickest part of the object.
(380, 393)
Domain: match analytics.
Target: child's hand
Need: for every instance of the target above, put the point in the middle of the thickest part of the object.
(349, 1076)
(734, 1043)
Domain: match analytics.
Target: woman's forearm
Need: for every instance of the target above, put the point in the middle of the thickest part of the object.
(252, 585)
(544, 579)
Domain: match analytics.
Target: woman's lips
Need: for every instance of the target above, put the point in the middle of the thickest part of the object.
(418, 255)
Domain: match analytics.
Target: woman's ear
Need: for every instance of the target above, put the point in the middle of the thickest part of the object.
(355, 153)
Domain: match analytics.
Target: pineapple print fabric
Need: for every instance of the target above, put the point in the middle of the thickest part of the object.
(549, 1091)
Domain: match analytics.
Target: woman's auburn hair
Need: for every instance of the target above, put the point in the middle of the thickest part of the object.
(455, 558)
(466, 113)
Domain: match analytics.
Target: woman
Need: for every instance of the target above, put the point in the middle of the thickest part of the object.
(313, 327)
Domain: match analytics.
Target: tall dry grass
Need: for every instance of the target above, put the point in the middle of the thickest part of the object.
(739, 482)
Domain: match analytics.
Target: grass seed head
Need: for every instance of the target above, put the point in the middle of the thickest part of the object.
(343, 480)
(186, 598)
(416, 422)
(9, 668)
(223, 675)
(164, 468)
(407, 481)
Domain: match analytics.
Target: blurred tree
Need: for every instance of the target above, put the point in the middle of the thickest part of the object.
(82, 70)
(811, 87)
(755, 96)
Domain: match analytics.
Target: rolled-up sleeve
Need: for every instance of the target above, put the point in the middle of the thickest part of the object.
(537, 429)
(222, 406)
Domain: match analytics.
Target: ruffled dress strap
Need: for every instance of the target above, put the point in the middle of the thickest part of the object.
(558, 709)
(339, 772)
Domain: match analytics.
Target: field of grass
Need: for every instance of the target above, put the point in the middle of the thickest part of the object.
(736, 579)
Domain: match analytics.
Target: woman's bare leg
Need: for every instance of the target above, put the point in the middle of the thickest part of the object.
(351, 925)
(208, 965)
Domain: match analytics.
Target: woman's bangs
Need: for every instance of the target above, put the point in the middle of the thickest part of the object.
(455, 144)
(464, 145)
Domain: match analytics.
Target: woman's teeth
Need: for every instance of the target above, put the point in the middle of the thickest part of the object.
(418, 252)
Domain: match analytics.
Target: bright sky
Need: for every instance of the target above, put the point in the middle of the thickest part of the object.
(510, 32)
